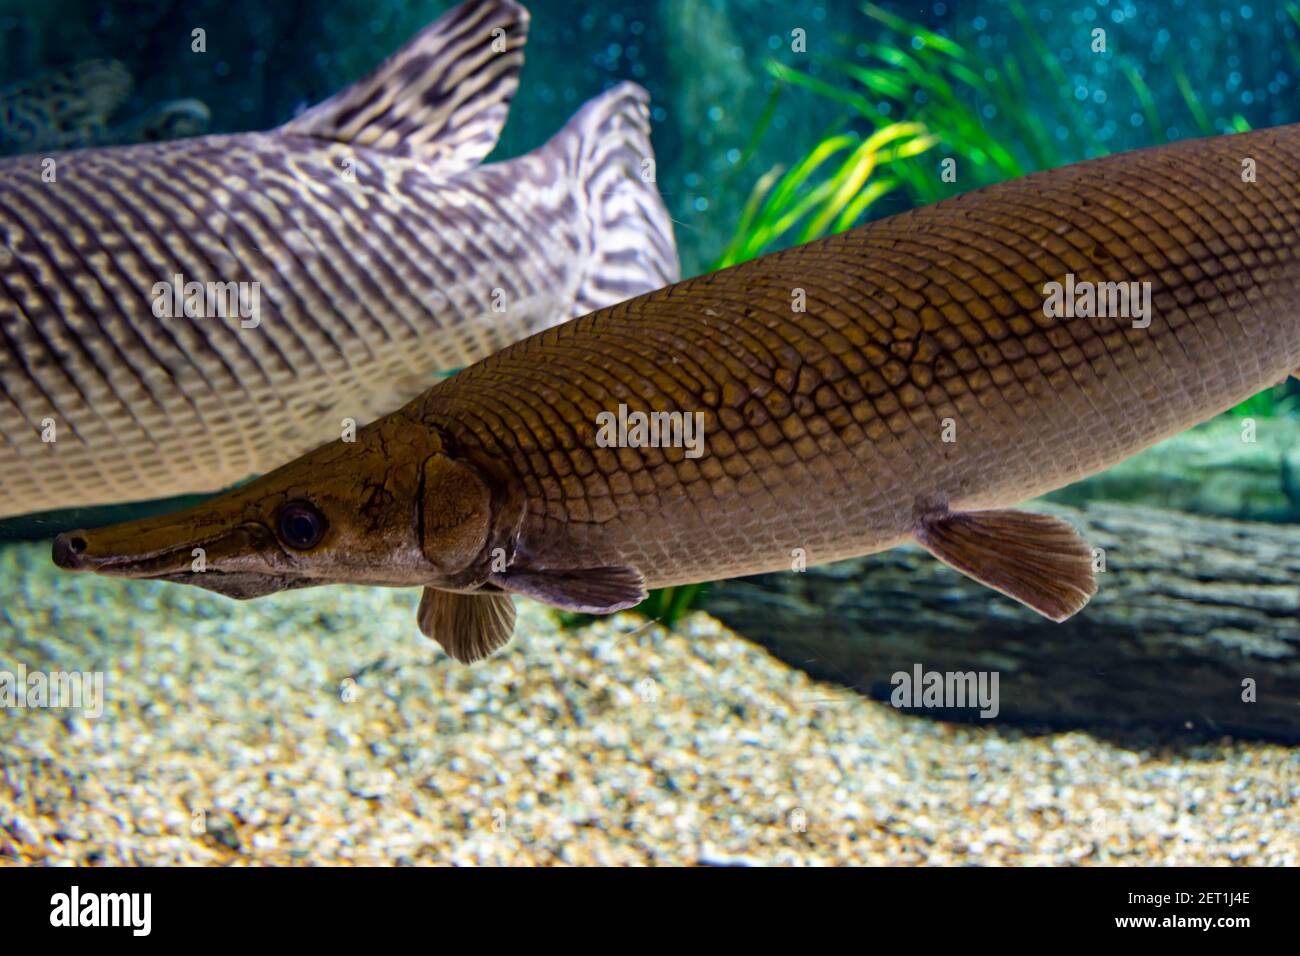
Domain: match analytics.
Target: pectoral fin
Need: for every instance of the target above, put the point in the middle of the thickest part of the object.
(1036, 559)
(468, 626)
(585, 590)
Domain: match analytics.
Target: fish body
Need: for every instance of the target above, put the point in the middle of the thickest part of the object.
(911, 379)
(178, 316)
(827, 430)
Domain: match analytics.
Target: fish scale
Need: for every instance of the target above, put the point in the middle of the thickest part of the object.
(384, 252)
(823, 428)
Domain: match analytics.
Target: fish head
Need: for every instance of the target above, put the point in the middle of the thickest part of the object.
(392, 508)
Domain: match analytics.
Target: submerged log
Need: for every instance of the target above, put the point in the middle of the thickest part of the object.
(1191, 612)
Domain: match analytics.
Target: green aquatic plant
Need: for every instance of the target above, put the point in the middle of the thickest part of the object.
(999, 116)
(1263, 405)
(976, 108)
(666, 606)
(805, 202)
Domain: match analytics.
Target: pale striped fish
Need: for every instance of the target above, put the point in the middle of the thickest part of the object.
(354, 252)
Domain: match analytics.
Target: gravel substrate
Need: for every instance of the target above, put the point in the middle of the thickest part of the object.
(320, 727)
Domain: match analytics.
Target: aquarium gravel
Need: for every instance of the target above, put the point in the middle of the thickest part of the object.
(296, 729)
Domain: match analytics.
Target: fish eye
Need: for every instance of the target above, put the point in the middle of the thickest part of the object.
(300, 525)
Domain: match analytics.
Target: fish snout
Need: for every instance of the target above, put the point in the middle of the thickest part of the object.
(106, 552)
(165, 548)
(69, 551)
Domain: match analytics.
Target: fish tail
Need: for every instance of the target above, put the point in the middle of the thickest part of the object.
(606, 146)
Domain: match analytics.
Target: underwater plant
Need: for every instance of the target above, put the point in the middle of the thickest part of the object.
(974, 106)
(788, 207)
(987, 111)
(666, 606)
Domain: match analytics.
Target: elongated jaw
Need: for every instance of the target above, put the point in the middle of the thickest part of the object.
(145, 551)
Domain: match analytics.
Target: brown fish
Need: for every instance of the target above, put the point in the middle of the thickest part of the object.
(912, 379)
